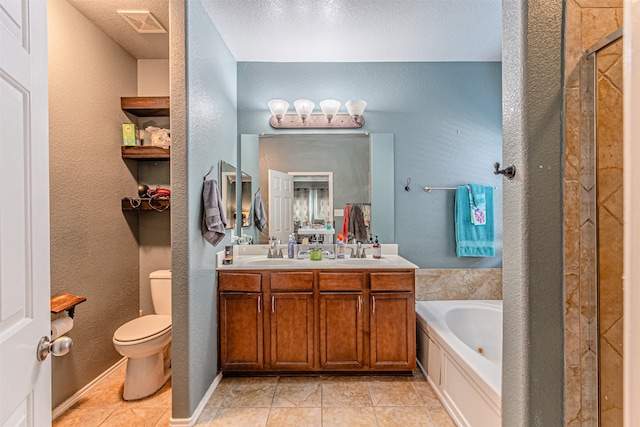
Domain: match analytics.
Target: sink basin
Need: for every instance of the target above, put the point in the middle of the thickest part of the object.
(365, 261)
(273, 262)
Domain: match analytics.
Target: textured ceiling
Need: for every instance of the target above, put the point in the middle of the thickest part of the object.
(104, 14)
(324, 30)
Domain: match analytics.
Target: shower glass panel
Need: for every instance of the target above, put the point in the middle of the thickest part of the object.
(603, 159)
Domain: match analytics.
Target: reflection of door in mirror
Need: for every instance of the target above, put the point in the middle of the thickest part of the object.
(280, 221)
(313, 201)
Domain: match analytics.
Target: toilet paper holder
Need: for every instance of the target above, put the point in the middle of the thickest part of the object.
(65, 302)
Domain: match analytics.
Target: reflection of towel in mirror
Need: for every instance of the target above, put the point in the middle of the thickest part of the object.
(345, 223)
(259, 214)
(213, 220)
(357, 229)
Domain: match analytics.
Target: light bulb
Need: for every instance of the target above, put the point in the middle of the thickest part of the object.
(330, 108)
(304, 107)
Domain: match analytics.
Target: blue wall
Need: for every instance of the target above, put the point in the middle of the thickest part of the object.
(207, 100)
(447, 124)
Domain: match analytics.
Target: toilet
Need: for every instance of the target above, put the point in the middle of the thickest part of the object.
(146, 342)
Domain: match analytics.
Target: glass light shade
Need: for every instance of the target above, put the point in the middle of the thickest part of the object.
(355, 107)
(278, 108)
(330, 108)
(304, 107)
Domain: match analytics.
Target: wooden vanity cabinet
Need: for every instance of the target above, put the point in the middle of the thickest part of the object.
(241, 321)
(341, 320)
(392, 321)
(310, 321)
(291, 321)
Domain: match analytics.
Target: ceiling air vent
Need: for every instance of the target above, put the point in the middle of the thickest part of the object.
(142, 21)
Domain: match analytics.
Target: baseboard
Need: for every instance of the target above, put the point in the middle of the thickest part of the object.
(193, 419)
(61, 408)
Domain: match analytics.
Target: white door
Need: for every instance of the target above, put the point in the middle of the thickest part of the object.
(25, 398)
(280, 205)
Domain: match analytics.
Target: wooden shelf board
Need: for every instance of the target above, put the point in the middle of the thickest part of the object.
(146, 152)
(63, 302)
(159, 205)
(152, 106)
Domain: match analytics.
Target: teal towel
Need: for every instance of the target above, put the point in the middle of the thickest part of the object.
(474, 240)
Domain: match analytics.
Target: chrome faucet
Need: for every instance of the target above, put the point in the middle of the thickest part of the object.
(359, 253)
(274, 251)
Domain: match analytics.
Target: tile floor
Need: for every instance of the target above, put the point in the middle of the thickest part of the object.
(103, 406)
(343, 401)
(325, 401)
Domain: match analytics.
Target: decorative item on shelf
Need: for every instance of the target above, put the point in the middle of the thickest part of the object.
(304, 117)
(157, 199)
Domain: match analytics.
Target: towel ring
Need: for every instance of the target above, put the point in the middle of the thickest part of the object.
(406, 187)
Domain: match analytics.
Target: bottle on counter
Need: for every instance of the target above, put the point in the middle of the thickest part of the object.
(377, 249)
(340, 246)
(291, 246)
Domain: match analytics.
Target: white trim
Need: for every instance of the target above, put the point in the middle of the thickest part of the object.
(193, 419)
(61, 408)
(631, 276)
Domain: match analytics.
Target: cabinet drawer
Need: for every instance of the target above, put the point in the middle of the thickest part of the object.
(292, 281)
(341, 281)
(392, 281)
(249, 282)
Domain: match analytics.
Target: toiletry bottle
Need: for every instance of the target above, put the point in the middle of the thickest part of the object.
(340, 245)
(377, 250)
(291, 246)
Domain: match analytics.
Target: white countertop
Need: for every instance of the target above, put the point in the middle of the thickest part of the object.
(254, 257)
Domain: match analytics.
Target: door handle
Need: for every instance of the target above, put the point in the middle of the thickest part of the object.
(58, 347)
(273, 304)
(359, 303)
(259, 303)
(373, 305)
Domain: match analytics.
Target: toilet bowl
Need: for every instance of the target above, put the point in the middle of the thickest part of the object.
(145, 342)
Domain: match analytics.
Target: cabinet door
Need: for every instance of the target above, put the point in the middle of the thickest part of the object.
(393, 326)
(341, 331)
(241, 333)
(292, 331)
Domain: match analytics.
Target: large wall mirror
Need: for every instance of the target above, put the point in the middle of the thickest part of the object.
(361, 167)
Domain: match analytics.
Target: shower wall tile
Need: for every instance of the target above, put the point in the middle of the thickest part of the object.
(458, 284)
(573, 396)
(600, 3)
(573, 44)
(599, 22)
(572, 225)
(572, 133)
(572, 319)
(608, 57)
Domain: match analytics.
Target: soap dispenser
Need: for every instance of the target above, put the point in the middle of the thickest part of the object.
(377, 249)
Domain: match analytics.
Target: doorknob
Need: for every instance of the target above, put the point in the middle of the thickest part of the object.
(59, 347)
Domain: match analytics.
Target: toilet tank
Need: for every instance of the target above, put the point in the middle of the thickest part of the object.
(160, 282)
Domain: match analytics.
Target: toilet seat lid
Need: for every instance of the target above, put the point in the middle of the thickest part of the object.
(143, 327)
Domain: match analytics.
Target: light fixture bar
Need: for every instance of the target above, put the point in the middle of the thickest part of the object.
(316, 121)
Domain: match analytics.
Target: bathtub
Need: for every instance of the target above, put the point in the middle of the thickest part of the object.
(459, 350)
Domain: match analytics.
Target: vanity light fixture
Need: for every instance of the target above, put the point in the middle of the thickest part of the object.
(278, 108)
(329, 119)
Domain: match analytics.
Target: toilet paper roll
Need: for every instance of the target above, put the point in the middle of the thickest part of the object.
(60, 326)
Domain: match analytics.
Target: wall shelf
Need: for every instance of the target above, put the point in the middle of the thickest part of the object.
(146, 152)
(65, 302)
(146, 204)
(141, 106)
